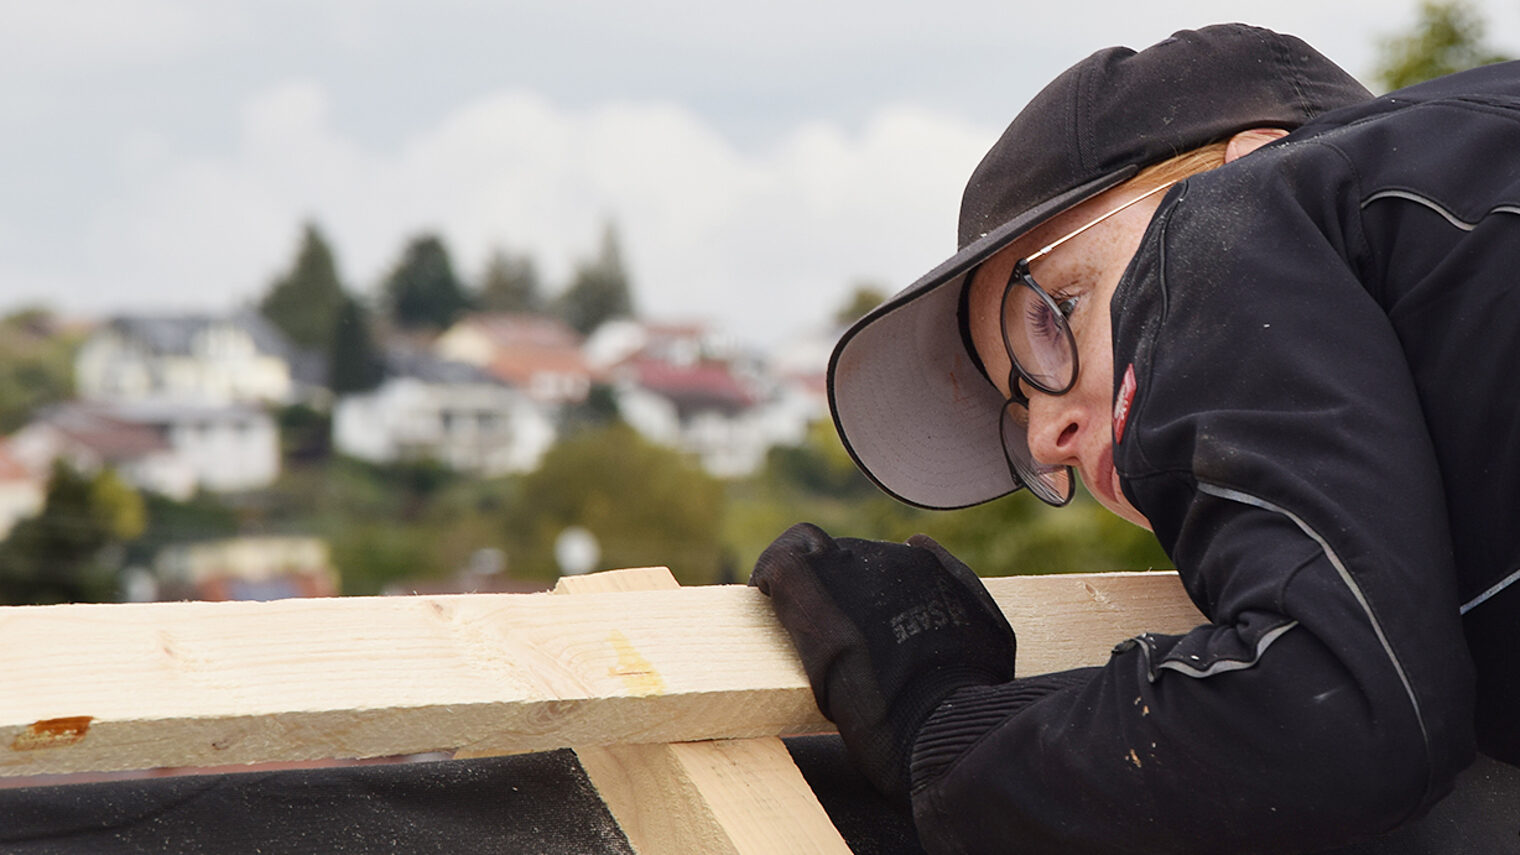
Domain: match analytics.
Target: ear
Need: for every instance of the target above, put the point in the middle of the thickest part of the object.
(1246, 142)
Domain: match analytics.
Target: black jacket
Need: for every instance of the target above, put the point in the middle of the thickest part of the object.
(1325, 435)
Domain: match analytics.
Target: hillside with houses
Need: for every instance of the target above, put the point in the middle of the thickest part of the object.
(434, 436)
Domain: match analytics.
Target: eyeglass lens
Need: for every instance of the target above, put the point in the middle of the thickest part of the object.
(1051, 484)
(1037, 335)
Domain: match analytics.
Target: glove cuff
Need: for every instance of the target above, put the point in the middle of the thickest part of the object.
(966, 714)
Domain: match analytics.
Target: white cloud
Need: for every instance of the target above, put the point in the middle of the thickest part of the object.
(759, 242)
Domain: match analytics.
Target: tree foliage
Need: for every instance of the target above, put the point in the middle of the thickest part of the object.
(36, 365)
(510, 284)
(600, 290)
(304, 302)
(818, 482)
(1447, 37)
(422, 291)
(63, 554)
(354, 363)
(646, 505)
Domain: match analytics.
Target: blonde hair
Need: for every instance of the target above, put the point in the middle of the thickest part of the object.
(1178, 167)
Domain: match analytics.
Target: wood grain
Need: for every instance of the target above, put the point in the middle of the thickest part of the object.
(101, 687)
(731, 796)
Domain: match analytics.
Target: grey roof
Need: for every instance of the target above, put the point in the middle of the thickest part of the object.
(400, 362)
(173, 334)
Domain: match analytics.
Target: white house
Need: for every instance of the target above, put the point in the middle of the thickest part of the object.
(22, 491)
(682, 386)
(193, 359)
(456, 414)
(174, 449)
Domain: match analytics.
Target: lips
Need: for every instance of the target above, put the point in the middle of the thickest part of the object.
(1101, 478)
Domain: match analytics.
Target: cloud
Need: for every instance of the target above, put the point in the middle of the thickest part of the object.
(759, 242)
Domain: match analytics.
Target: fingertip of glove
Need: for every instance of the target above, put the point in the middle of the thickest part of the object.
(801, 539)
(804, 538)
(806, 534)
(923, 541)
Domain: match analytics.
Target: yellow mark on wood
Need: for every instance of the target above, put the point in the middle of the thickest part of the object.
(52, 733)
(637, 673)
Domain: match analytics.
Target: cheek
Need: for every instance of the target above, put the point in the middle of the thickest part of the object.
(1096, 351)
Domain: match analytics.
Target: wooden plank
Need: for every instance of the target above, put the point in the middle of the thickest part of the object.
(1075, 619)
(727, 797)
(101, 687)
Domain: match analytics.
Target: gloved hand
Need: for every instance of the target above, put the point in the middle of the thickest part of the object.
(885, 632)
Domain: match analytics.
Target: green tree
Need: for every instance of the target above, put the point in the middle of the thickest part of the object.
(644, 503)
(600, 290)
(864, 297)
(65, 553)
(511, 284)
(1447, 37)
(305, 301)
(305, 434)
(819, 483)
(422, 291)
(170, 521)
(598, 409)
(354, 362)
(36, 365)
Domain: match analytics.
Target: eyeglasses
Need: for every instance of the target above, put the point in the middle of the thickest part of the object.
(1043, 354)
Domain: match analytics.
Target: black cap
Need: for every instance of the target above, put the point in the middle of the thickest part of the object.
(909, 402)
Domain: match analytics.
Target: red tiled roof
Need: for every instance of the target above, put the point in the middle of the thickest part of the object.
(704, 385)
(112, 438)
(11, 468)
(519, 330)
(529, 345)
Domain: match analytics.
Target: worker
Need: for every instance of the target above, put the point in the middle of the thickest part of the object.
(1275, 320)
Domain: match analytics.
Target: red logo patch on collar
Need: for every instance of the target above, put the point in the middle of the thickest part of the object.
(1122, 402)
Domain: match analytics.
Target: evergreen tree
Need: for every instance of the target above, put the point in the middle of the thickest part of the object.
(354, 363)
(304, 302)
(1447, 37)
(422, 292)
(599, 291)
(510, 284)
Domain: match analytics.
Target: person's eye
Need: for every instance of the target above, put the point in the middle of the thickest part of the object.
(1066, 305)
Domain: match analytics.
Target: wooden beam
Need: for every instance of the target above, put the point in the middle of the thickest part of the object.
(725, 797)
(101, 687)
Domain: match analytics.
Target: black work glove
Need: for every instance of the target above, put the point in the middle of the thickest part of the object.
(885, 632)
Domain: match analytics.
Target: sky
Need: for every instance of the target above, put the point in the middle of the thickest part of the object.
(757, 159)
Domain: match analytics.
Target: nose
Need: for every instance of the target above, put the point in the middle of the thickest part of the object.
(1057, 426)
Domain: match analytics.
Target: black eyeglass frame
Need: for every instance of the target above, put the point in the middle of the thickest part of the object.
(1021, 277)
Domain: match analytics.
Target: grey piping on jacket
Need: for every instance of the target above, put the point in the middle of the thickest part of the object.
(1346, 577)
(1222, 665)
(1410, 196)
(1486, 595)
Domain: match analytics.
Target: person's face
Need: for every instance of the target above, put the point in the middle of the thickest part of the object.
(1075, 428)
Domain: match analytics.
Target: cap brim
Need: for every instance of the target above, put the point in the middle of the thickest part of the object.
(910, 404)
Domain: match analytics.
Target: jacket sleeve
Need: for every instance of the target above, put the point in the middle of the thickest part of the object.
(1276, 444)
